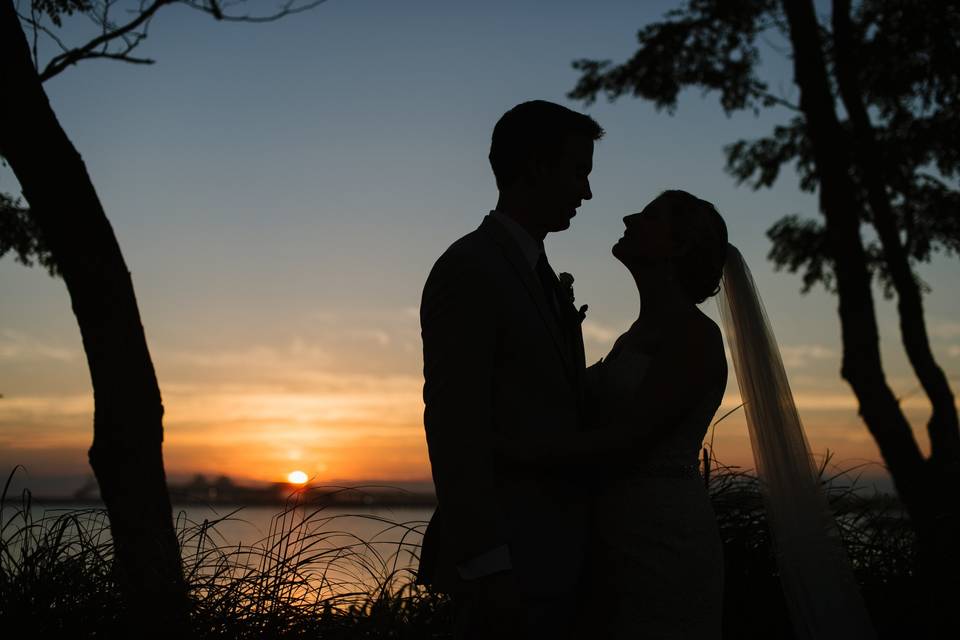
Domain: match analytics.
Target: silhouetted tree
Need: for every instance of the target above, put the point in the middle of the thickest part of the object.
(20, 235)
(890, 161)
(65, 229)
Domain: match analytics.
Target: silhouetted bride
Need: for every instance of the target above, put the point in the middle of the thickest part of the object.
(657, 565)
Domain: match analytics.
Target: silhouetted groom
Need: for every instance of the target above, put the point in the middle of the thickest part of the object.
(503, 353)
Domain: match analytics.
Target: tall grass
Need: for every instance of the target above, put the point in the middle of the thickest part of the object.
(877, 537)
(309, 577)
(306, 577)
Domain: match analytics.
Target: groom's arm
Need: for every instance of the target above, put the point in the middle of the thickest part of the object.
(458, 323)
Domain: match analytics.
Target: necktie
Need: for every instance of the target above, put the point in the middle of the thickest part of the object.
(548, 282)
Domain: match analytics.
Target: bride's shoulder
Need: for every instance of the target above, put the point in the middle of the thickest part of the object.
(693, 325)
(708, 346)
(708, 329)
(699, 337)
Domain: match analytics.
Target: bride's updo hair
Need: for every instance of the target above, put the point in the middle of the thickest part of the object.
(696, 225)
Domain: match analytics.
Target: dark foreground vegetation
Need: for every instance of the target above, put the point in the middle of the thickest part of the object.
(307, 578)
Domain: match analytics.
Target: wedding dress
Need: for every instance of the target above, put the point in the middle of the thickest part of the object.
(657, 570)
(658, 563)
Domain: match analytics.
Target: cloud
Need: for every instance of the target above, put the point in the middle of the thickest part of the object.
(377, 336)
(18, 346)
(258, 357)
(325, 398)
(596, 332)
(832, 400)
(348, 425)
(44, 421)
(345, 425)
(295, 361)
(802, 355)
(325, 317)
(946, 330)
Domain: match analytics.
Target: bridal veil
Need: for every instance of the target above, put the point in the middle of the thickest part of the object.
(821, 593)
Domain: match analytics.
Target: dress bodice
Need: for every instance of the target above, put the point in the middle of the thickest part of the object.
(658, 549)
(616, 383)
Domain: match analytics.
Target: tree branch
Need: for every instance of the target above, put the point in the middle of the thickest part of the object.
(134, 32)
(73, 56)
(770, 100)
(214, 9)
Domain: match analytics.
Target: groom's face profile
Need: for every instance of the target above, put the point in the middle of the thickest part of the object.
(563, 183)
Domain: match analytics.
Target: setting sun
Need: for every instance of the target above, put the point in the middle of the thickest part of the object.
(297, 477)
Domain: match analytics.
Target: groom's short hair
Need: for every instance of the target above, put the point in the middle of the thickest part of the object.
(535, 131)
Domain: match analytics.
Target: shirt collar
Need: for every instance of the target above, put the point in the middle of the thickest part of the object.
(530, 247)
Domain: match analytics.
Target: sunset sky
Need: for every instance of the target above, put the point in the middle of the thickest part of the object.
(280, 192)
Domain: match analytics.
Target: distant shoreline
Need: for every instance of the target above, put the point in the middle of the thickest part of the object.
(367, 500)
(224, 492)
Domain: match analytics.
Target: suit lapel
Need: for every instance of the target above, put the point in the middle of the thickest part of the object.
(523, 271)
(573, 320)
(579, 358)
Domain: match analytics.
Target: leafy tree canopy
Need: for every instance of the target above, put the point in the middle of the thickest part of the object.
(54, 9)
(905, 55)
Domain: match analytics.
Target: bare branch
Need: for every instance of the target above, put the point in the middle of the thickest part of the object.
(38, 26)
(772, 99)
(134, 32)
(73, 56)
(36, 37)
(123, 57)
(214, 8)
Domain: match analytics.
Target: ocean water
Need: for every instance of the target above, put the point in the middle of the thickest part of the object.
(347, 549)
(250, 525)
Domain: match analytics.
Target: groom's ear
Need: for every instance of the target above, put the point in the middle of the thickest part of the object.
(530, 173)
(535, 171)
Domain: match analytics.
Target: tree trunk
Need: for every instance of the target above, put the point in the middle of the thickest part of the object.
(943, 427)
(862, 367)
(126, 454)
(916, 484)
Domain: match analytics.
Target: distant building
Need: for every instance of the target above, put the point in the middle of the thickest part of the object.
(222, 490)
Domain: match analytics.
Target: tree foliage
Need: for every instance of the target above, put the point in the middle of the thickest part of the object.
(21, 236)
(906, 56)
(874, 132)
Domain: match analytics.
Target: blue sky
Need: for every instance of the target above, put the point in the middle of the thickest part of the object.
(280, 192)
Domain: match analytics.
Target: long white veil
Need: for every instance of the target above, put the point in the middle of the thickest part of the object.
(821, 593)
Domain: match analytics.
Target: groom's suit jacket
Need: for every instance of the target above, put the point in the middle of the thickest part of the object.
(499, 357)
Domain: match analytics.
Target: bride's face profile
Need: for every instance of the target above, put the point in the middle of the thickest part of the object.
(679, 241)
(647, 237)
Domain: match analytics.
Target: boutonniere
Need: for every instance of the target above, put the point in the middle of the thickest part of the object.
(566, 285)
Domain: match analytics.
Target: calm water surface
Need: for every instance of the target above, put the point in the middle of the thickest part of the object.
(249, 525)
(345, 546)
